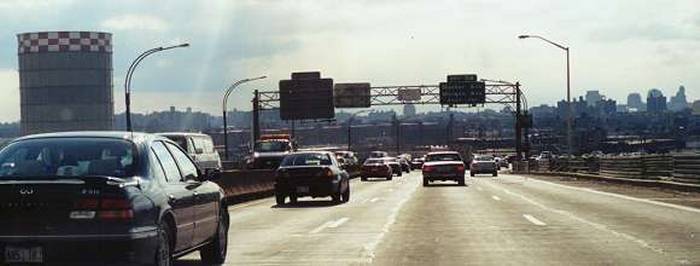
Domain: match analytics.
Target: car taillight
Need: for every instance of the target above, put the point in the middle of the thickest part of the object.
(106, 209)
(460, 168)
(328, 172)
(428, 169)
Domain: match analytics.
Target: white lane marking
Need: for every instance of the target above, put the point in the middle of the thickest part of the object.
(374, 200)
(495, 198)
(371, 246)
(657, 203)
(339, 222)
(321, 227)
(479, 189)
(598, 226)
(534, 220)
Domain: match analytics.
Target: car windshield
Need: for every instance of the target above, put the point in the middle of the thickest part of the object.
(484, 158)
(180, 140)
(374, 161)
(67, 157)
(272, 146)
(307, 159)
(442, 157)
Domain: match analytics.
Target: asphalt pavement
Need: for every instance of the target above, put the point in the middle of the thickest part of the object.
(508, 220)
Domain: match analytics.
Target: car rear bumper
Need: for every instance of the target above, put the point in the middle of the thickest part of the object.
(443, 176)
(384, 173)
(302, 188)
(105, 249)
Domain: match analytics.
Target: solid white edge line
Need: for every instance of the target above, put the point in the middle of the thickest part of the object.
(534, 220)
(663, 204)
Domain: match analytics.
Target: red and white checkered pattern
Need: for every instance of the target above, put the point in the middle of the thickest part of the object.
(64, 41)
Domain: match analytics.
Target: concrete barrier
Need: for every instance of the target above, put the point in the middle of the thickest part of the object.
(240, 183)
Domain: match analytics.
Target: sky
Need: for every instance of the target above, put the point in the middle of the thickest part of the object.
(617, 46)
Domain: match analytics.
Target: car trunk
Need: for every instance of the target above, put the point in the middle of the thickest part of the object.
(44, 207)
(444, 167)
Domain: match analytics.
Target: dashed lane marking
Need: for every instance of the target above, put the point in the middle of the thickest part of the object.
(495, 198)
(534, 220)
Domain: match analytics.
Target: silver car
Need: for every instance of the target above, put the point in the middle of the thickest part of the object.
(483, 164)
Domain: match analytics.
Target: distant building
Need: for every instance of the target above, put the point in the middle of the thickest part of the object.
(678, 102)
(65, 81)
(656, 101)
(409, 110)
(593, 97)
(622, 108)
(696, 107)
(606, 106)
(635, 103)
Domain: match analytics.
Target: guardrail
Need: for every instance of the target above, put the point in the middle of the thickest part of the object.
(679, 167)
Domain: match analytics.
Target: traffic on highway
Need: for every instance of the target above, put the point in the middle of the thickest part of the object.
(312, 132)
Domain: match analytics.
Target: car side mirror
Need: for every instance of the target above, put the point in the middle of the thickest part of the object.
(211, 174)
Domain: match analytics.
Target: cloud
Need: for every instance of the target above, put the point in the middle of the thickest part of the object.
(135, 22)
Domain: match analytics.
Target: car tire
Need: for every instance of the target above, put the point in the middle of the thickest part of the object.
(472, 174)
(345, 197)
(215, 252)
(336, 197)
(164, 256)
(425, 182)
(363, 178)
(399, 174)
(495, 174)
(461, 182)
(293, 199)
(279, 198)
(390, 177)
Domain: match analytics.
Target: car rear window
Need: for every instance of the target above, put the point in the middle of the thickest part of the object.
(374, 161)
(306, 159)
(67, 157)
(442, 157)
(484, 158)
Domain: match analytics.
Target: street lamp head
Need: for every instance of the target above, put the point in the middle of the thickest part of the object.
(523, 36)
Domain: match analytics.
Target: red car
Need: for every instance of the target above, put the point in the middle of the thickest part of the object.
(444, 165)
(376, 167)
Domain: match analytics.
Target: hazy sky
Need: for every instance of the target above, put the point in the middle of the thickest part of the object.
(616, 46)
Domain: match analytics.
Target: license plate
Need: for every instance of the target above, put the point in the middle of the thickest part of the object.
(302, 189)
(24, 255)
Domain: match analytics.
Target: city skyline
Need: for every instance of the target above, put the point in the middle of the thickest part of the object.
(625, 45)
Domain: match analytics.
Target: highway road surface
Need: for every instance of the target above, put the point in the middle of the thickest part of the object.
(508, 220)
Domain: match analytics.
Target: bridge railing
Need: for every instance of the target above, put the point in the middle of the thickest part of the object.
(678, 167)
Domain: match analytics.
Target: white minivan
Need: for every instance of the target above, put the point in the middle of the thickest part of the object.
(199, 146)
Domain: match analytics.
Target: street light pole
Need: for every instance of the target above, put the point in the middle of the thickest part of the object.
(569, 109)
(224, 104)
(352, 117)
(130, 73)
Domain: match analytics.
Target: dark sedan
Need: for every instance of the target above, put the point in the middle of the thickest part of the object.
(106, 198)
(312, 174)
(376, 167)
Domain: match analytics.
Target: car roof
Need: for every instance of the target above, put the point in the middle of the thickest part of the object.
(132, 136)
(312, 152)
(443, 152)
(172, 134)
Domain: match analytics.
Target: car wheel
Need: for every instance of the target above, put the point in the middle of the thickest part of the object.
(215, 252)
(461, 182)
(363, 178)
(279, 198)
(336, 197)
(495, 173)
(293, 199)
(472, 174)
(164, 250)
(390, 177)
(399, 174)
(346, 195)
(425, 182)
